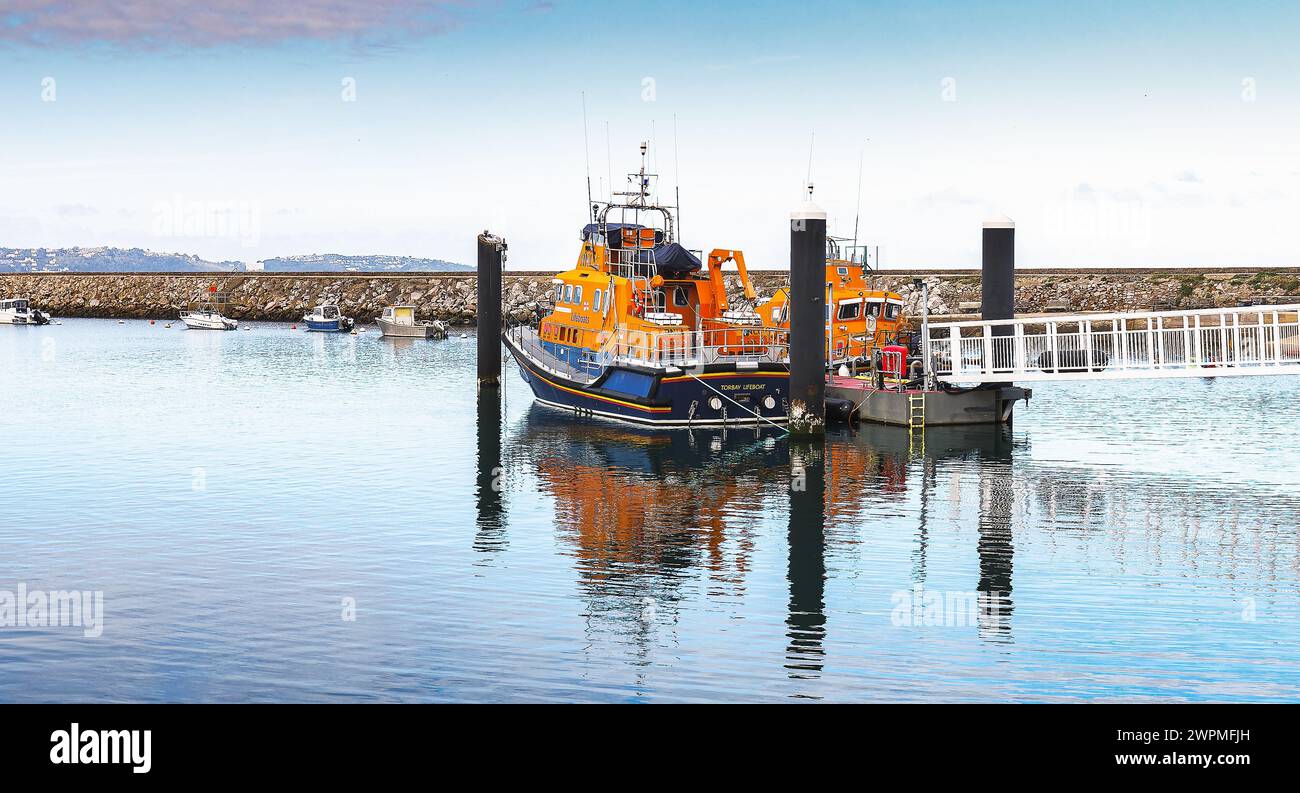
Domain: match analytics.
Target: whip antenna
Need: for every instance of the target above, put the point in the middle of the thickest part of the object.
(857, 213)
(677, 179)
(586, 150)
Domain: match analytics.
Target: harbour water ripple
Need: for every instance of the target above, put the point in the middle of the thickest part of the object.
(232, 493)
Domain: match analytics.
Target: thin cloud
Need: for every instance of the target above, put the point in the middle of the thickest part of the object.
(75, 210)
(161, 24)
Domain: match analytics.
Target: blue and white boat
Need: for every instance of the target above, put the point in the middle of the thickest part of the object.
(327, 318)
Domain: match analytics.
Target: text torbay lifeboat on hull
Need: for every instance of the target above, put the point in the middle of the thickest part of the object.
(640, 331)
(859, 318)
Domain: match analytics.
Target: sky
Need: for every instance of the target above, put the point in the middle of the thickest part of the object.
(1114, 133)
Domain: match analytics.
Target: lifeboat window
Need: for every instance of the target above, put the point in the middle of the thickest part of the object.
(892, 311)
(634, 383)
(577, 295)
(874, 309)
(595, 300)
(850, 311)
(842, 270)
(568, 294)
(559, 292)
(680, 298)
(785, 315)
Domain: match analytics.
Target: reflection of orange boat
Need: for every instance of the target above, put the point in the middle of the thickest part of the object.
(860, 319)
(641, 502)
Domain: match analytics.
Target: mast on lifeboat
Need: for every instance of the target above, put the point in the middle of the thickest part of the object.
(641, 196)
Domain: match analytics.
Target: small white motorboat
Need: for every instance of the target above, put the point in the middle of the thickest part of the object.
(206, 319)
(327, 318)
(206, 314)
(401, 321)
(19, 311)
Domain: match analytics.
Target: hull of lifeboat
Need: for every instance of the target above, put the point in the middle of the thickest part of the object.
(715, 394)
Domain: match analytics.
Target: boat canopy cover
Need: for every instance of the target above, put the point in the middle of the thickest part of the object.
(612, 229)
(672, 260)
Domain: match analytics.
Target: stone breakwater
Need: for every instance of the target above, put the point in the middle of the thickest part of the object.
(454, 298)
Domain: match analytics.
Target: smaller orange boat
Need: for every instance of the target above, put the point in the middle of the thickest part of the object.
(860, 317)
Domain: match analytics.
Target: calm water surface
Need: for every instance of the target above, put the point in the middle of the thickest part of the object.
(228, 492)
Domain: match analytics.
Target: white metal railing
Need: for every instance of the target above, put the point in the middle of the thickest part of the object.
(746, 344)
(628, 262)
(659, 349)
(1246, 340)
(528, 341)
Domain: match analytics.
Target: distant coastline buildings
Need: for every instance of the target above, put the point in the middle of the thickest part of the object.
(114, 260)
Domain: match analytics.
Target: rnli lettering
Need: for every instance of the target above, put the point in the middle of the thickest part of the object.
(583, 318)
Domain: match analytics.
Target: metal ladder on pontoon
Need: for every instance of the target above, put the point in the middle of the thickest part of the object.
(916, 422)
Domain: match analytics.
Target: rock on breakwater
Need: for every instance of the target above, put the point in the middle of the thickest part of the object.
(453, 298)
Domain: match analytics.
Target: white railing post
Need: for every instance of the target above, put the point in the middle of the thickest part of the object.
(1193, 349)
(1087, 343)
(1160, 341)
(1261, 345)
(988, 350)
(1020, 353)
(1277, 340)
(1223, 339)
(1151, 345)
(1051, 346)
(954, 360)
(1236, 338)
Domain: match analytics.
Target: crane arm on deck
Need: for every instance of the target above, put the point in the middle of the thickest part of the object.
(719, 257)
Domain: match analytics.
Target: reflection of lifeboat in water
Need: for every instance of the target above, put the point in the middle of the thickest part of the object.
(635, 500)
(638, 331)
(860, 319)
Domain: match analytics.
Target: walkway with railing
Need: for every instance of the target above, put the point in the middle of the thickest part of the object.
(1219, 342)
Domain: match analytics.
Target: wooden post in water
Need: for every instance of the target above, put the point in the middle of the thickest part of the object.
(808, 320)
(491, 256)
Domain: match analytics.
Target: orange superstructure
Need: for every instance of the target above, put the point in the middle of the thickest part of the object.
(861, 318)
(640, 328)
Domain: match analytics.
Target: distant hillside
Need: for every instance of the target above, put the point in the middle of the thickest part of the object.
(113, 260)
(104, 260)
(337, 263)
